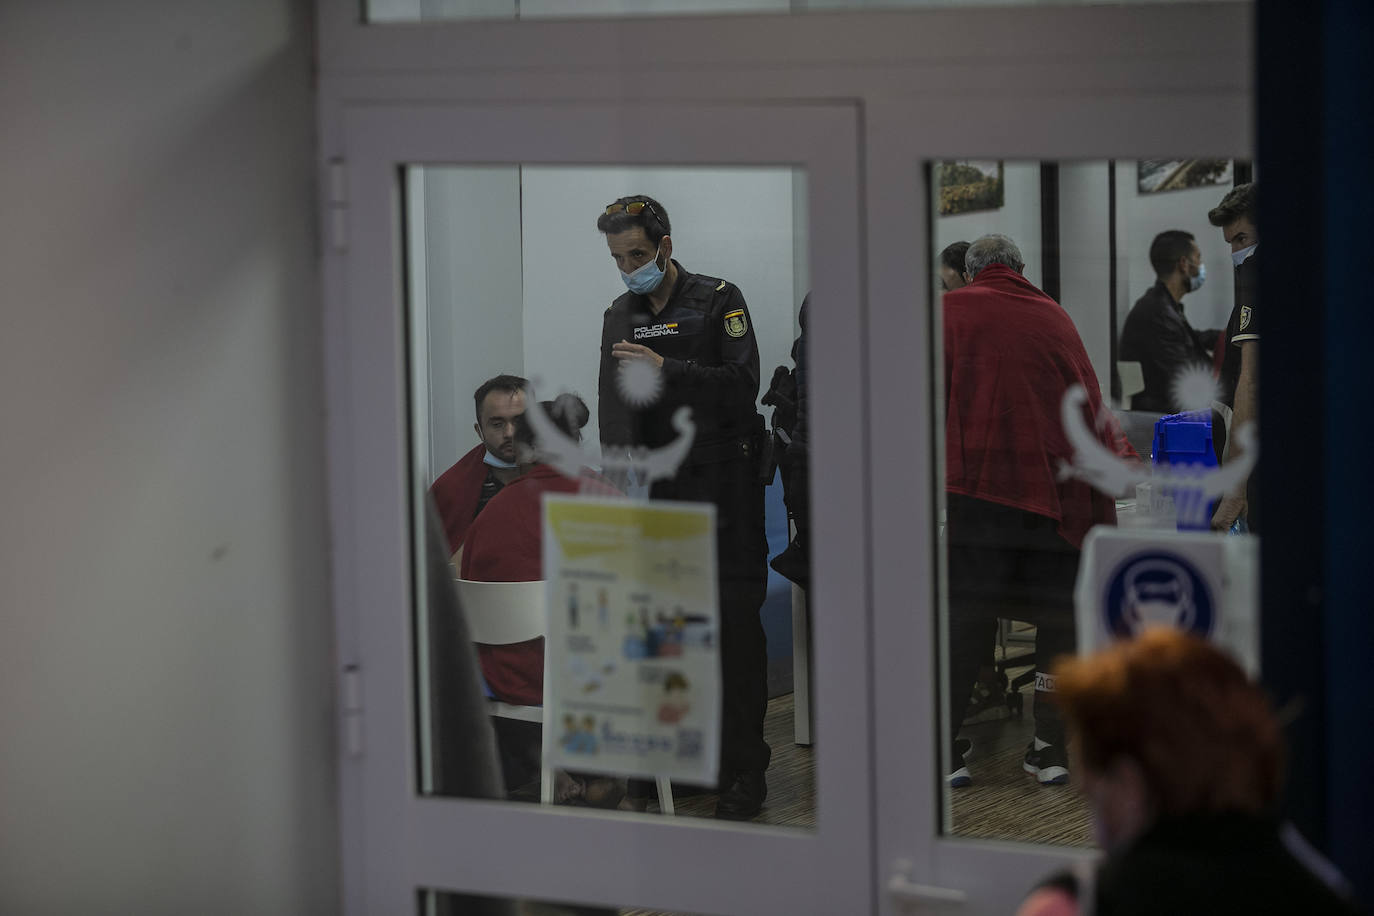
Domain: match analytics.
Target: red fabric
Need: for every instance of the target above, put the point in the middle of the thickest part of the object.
(1010, 354)
(456, 493)
(506, 544)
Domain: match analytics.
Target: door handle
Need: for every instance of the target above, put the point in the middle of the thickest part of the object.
(903, 889)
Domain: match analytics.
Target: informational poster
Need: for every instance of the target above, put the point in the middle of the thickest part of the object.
(632, 663)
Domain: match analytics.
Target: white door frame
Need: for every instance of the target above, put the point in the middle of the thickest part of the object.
(405, 841)
(1065, 83)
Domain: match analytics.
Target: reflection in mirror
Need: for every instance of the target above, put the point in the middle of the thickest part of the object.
(624, 337)
(1116, 277)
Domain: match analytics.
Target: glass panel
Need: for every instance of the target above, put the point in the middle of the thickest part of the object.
(1085, 274)
(385, 11)
(523, 338)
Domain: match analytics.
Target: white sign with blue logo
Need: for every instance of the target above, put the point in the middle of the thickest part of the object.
(1132, 579)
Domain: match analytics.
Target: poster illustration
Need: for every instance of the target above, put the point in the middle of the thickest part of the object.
(632, 671)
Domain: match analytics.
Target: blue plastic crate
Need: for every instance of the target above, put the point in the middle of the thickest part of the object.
(1186, 438)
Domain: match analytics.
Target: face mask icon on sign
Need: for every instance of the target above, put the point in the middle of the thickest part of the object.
(1158, 592)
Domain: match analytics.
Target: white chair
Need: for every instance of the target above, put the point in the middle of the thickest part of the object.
(502, 613)
(1132, 380)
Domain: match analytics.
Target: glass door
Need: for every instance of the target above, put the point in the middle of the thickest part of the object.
(472, 165)
(975, 829)
(475, 286)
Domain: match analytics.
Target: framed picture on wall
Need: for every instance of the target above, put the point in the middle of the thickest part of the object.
(968, 185)
(1155, 175)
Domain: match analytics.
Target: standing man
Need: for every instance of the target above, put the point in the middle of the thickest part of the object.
(464, 489)
(1156, 334)
(691, 336)
(1235, 216)
(1014, 526)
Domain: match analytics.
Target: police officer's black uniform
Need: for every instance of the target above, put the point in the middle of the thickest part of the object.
(710, 364)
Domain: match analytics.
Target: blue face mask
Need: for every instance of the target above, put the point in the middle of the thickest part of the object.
(1195, 283)
(1240, 257)
(645, 279)
(492, 461)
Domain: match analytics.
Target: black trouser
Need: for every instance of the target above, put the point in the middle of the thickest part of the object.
(1008, 563)
(733, 486)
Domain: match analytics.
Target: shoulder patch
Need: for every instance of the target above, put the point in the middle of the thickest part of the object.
(736, 324)
(721, 287)
(1244, 317)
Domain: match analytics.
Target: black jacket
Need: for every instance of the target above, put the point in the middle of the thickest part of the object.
(1159, 337)
(710, 364)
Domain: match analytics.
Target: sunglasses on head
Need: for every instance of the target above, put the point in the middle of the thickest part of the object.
(634, 208)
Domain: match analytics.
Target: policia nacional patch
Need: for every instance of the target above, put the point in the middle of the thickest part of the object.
(736, 325)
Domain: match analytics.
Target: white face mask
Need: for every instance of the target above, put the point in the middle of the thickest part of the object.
(1240, 257)
(1195, 283)
(493, 461)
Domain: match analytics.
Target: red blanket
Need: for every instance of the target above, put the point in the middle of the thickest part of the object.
(506, 544)
(456, 493)
(1010, 354)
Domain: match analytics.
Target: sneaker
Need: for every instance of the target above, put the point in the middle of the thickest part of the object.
(961, 776)
(1049, 765)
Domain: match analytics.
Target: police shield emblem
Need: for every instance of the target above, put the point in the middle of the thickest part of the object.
(1244, 317)
(736, 325)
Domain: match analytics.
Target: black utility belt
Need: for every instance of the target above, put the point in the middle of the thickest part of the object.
(724, 450)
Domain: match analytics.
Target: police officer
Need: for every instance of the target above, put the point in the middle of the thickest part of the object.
(690, 335)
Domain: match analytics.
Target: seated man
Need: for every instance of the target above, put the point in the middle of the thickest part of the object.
(1156, 334)
(464, 489)
(506, 544)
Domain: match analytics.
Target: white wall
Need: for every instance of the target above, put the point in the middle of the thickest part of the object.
(466, 294)
(520, 276)
(1085, 280)
(165, 674)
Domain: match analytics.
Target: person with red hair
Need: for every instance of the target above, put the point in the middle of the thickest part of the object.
(1181, 758)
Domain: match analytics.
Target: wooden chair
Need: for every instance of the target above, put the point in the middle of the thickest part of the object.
(502, 613)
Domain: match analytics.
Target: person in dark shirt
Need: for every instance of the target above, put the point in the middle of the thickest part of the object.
(1156, 333)
(678, 339)
(1235, 216)
(1181, 760)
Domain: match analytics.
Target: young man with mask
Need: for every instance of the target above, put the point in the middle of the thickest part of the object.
(1235, 216)
(1156, 333)
(464, 489)
(679, 339)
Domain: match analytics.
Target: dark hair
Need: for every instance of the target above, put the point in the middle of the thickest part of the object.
(1167, 248)
(568, 412)
(953, 257)
(1241, 201)
(653, 219)
(511, 384)
(1168, 696)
